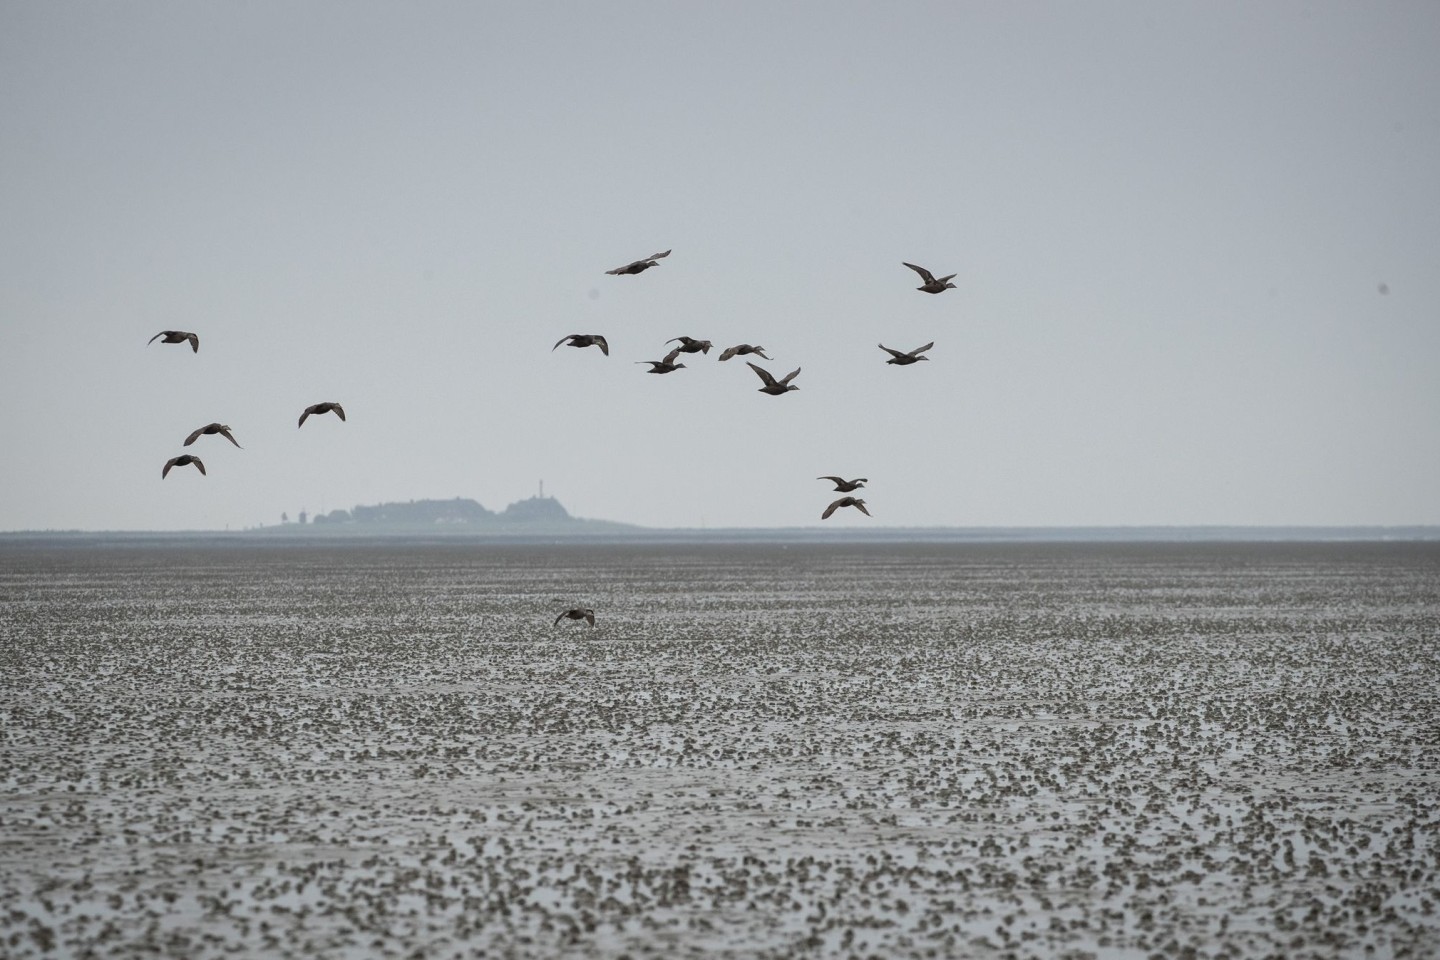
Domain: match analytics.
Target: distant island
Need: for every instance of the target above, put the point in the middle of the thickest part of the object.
(539, 515)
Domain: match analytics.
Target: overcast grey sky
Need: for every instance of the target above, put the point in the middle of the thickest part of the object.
(1197, 247)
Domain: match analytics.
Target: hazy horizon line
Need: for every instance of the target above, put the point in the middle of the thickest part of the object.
(1112, 533)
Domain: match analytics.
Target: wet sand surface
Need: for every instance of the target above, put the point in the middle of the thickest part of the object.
(761, 751)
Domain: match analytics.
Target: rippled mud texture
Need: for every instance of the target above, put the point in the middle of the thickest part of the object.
(981, 751)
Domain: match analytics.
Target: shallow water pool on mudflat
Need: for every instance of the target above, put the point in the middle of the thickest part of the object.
(1011, 751)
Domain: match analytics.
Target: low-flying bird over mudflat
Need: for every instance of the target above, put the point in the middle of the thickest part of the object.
(212, 428)
(742, 350)
(184, 460)
(855, 502)
(931, 285)
(639, 266)
(691, 345)
(578, 613)
(585, 340)
(905, 359)
(845, 486)
(318, 408)
(668, 365)
(177, 336)
(776, 388)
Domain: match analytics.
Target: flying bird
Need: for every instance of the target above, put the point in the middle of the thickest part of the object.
(318, 408)
(639, 266)
(691, 345)
(184, 460)
(212, 428)
(931, 285)
(905, 359)
(585, 340)
(176, 336)
(578, 613)
(742, 350)
(845, 486)
(855, 502)
(668, 365)
(776, 388)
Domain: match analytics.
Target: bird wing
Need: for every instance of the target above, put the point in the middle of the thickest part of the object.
(893, 353)
(836, 479)
(339, 410)
(168, 464)
(194, 342)
(729, 352)
(193, 437)
(658, 256)
(925, 274)
(790, 376)
(156, 337)
(830, 509)
(919, 350)
(760, 351)
(304, 415)
(199, 465)
(948, 279)
(764, 374)
(590, 617)
(562, 340)
(603, 344)
(860, 505)
(558, 619)
(670, 357)
(619, 270)
(224, 432)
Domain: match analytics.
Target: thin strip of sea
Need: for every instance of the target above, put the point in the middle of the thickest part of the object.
(759, 750)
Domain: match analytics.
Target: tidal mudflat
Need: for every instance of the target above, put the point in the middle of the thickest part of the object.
(1115, 751)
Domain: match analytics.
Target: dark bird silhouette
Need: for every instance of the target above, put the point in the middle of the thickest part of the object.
(322, 408)
(845, 486)
(855, 502)
(639, 266)
(585, 340)
(668, 365)
(184, 460)
(905, 359)
(691, 345)
(776, 388)
(741, 350)
(177, 336)
(211, 428)
(931, 285)
(578, 613)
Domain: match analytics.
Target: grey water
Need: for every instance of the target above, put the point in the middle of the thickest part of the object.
(1051, 750)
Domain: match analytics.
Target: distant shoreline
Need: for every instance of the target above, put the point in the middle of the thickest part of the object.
(310, 536)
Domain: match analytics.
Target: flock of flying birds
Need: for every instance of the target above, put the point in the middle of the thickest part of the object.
(687, 345)
(212, 429)
(772, 386)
